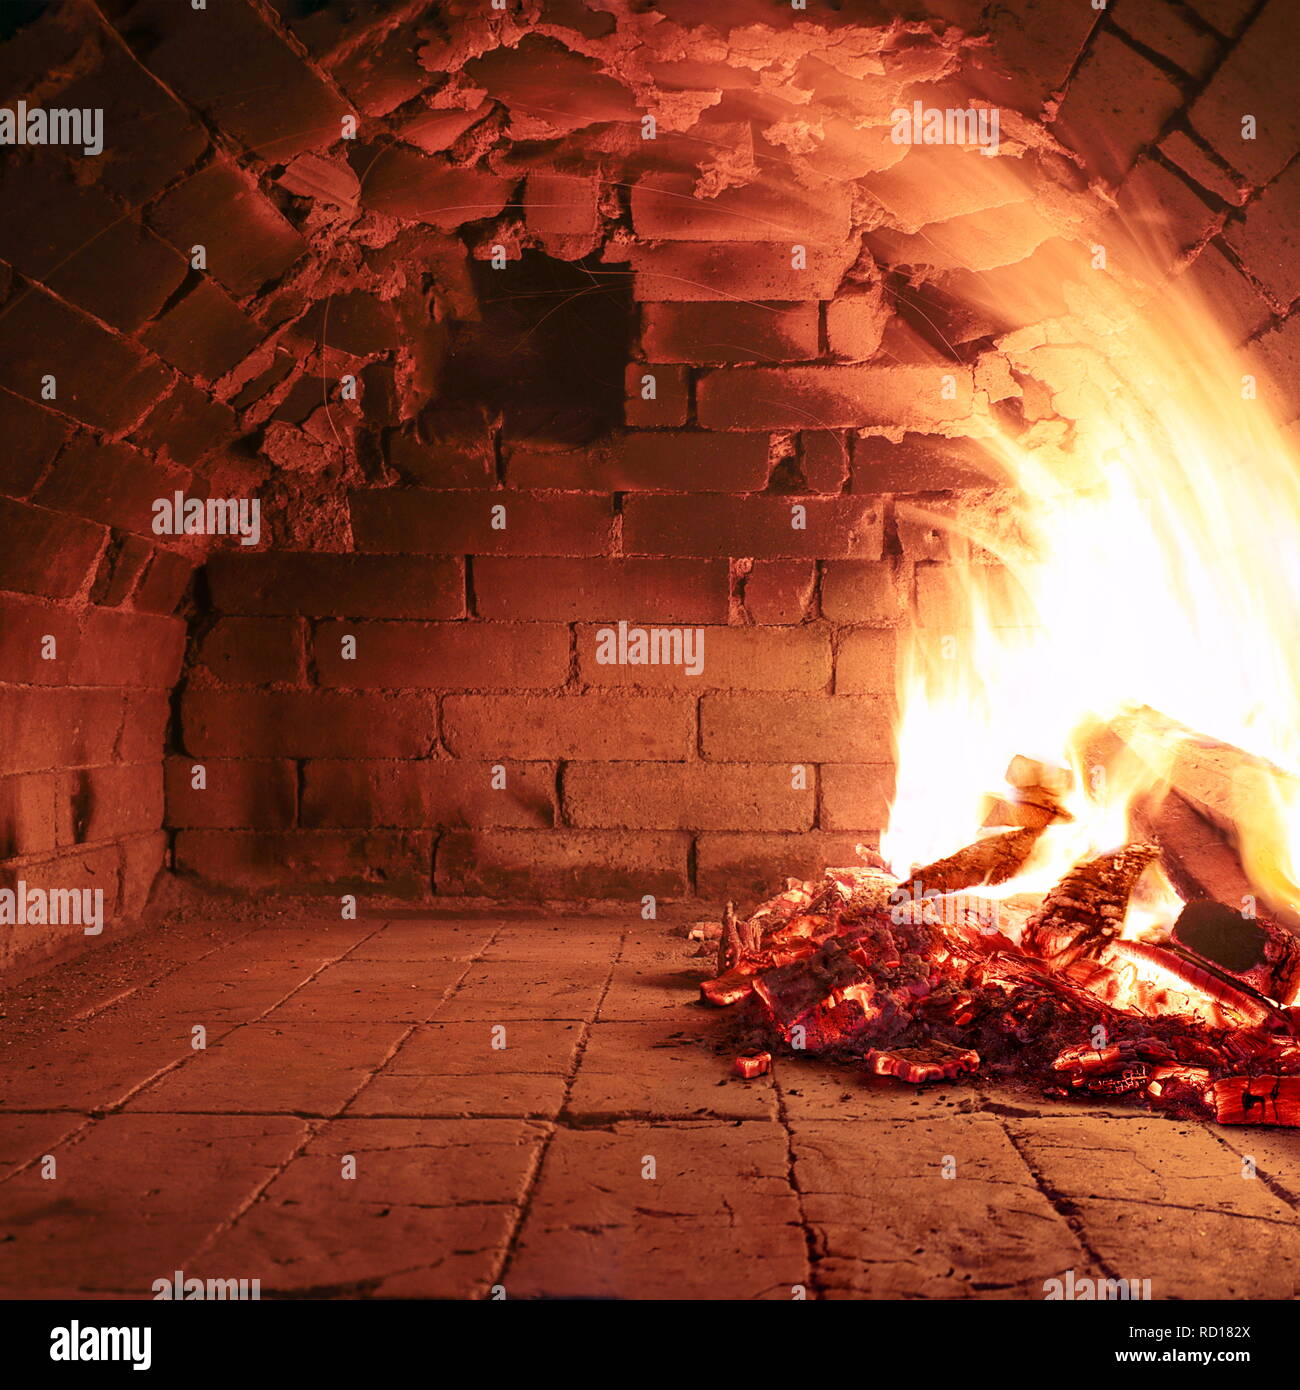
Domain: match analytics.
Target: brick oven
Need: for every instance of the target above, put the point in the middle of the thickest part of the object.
(478, 482)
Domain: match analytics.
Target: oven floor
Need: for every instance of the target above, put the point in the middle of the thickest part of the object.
(523, 1104)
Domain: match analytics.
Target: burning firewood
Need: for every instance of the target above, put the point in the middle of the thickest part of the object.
(935, 1061)
(729, 946)
(994, 859)
(1256, 1100)
(752, 1064)
(1222, 922)
(1087, 907)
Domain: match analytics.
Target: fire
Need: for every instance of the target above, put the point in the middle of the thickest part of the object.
(1145, 554)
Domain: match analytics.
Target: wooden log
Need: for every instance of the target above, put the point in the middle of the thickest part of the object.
(1086, 909)
(1235, 791)
(931, 1061)
(1256, 1100)
(994, 859)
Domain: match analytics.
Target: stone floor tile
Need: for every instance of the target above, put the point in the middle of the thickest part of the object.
(289, 1068)
(455, 1069)
(428, 1212)
(670, 1211)
(134, 1196)
(506, 990)
(887, 1223)
(368, 991)
(664, 1069)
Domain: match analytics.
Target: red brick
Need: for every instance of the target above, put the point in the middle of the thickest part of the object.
(32, 438)
(561, 210)
(102, 380)
(106, 803)
(24, 626)
(1267, 241)
(563, 864)
(388, 863)
(306, 724)
(417, 793)
(121, 564)
(568, 726)
(671, 405)
(923, 463)
(204, 334)
(414, 521)
(824, 460)
(342, 586)
(855, 324)
(110, 483)
(759, 398)
(856, 591)
(865, 662)
(63, 232)
(135, 649)
(855, 796)
(404, 183)
(1203, 167)
(664, 208)
(748, 332)
(1116, 103)
(162, 136)
(714, 271)
(142, 859)
(645, 590)
(45, 552)
(780, 591)
(1248, 82)
(1166, 30)
(450, 463)
(239, 793)
(751, 865)
(164, 583)
(186, 425)
(800, 729)
(549, 89)
(196, 58)
(448, 656)
(58, 728)
(78, 870)
(753, 526)
(735, 658)
(27, 814)
(686, 796)
(654, 461)
(381, 75)
(255, 651)
(144, 723)
(249, 244)
(354, 322)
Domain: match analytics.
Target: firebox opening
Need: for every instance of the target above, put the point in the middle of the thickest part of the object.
(547, 353)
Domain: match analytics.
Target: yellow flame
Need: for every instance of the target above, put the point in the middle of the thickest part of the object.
(1153, 561)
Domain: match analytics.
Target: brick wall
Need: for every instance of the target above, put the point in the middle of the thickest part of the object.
(820, 310)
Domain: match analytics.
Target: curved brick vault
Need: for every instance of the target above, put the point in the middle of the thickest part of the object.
(340, 350)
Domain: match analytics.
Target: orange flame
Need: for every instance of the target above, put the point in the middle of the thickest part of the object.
(1152, 560)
